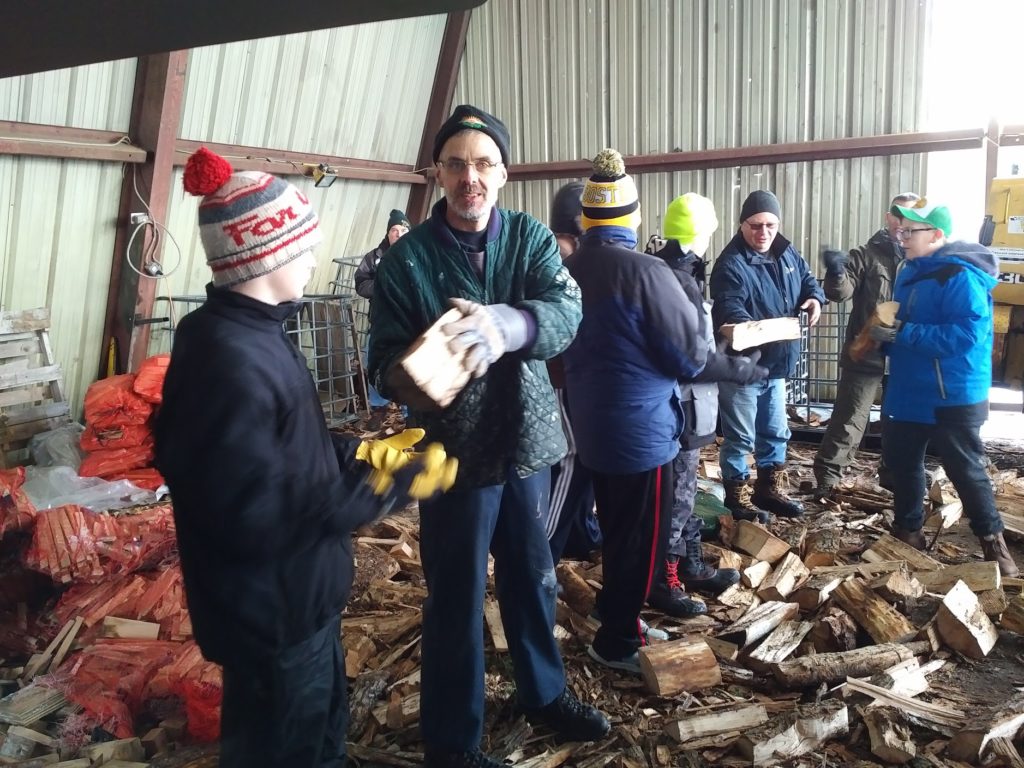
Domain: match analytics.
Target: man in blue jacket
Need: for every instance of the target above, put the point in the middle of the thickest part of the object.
(940, 372)
(759, 276)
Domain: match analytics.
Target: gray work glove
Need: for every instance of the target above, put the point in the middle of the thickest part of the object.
(884, 334)
(835, 262)
(741, 369)
(485, 332)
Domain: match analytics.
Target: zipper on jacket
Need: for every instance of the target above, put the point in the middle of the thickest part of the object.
(938, 375)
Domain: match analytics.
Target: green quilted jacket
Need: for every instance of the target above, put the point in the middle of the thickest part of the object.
(508, 418)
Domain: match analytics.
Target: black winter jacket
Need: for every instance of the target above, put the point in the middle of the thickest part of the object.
(746, 285)
(262, 509)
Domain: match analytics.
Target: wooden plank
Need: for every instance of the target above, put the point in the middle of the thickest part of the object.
(46, 374)
(888, 547)
(795, 733)
(114, 626)
(979, 577)
(860, 569)
(719, 721)
(25, 320)
(492, 614)
(30, 394)
(13, 434)
(12, 418)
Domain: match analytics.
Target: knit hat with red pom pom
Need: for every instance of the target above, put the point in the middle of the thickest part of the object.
(250, 223)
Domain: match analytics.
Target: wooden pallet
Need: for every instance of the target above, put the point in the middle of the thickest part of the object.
(31, 383)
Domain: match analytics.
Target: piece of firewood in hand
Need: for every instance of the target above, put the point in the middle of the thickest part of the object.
(754, 333)
(430, 374)
(864, 345)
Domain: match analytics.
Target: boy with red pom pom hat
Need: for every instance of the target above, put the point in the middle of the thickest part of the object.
(264, 499)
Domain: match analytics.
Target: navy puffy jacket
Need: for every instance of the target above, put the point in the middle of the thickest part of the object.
(744, 287)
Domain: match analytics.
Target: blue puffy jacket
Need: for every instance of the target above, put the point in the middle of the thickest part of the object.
(747, 285)
(639, 336)
(942, 355)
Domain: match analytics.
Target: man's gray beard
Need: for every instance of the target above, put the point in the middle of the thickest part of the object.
(473, 215)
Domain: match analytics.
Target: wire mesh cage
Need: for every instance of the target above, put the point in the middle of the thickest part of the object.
(323, 330)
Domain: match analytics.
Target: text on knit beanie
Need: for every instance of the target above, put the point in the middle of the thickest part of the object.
(250, 223)
(609, 196)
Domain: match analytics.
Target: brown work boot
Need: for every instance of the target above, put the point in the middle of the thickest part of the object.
(994, 548)
(915, 539)
(769, 492)
(738, 495)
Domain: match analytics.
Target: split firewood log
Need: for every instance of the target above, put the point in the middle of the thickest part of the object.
(863, 345)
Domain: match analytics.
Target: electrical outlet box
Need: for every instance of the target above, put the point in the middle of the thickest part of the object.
(138, 218)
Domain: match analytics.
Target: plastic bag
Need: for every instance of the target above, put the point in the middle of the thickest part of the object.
(49, 487)
(149, 381)
(147, 477)
(58, 447)
(113, 403)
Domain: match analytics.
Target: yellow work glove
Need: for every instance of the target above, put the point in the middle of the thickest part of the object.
(387, 456)
(436, 472)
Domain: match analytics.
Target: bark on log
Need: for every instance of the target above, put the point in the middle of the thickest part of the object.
(834, 667)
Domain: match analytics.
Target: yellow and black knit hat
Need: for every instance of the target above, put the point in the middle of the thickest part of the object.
(609, 196)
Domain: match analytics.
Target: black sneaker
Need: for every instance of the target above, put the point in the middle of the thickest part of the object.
(471, 759)
(570, 718)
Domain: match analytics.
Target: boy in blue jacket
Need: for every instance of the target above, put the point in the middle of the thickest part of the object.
(940, 371)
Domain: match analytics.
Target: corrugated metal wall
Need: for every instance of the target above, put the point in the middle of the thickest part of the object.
(356, 91)
(574, 76)
(57, 228)
(667, 75)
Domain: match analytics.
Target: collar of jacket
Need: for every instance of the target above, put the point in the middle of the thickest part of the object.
(440, 225)
(883, 242)
(249, 311)
(777, 248)
(677, 258)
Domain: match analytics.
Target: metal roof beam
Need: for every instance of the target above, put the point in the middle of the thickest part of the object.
(765, 154)
(445, 78)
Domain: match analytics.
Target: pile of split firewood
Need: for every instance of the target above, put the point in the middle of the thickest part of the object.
(840, 646)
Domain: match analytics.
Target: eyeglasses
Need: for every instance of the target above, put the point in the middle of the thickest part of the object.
(458, 166)
(758, 227)
(906, 234)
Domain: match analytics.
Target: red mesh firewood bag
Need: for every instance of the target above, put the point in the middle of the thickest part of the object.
(16, 511)
(149, 381)
(115, 460)
(129, 436)
(113, 403)
(70, 543)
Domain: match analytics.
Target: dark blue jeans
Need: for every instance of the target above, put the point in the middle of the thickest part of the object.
(960, 448)
(457, 530)
(288, 709)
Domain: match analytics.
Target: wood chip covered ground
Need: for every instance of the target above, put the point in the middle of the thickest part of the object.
(840, 646)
